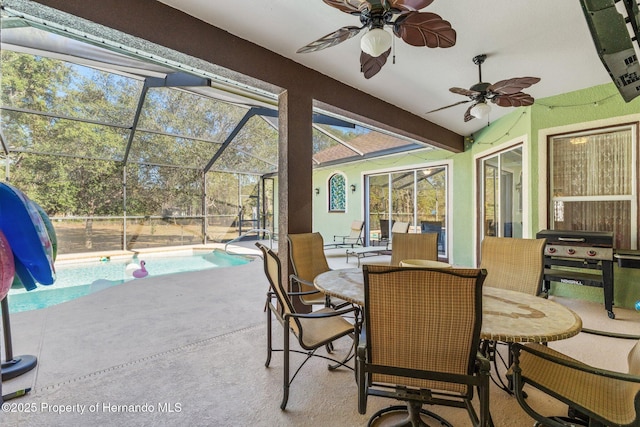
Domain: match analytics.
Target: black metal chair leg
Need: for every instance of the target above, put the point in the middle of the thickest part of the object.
(285, 389)
(269, 337)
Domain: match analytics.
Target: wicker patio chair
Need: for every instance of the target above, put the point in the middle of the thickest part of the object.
(512, 263)
(312, 330)
(306, 251)
(597, 397)
(413, 246)
(420, 343)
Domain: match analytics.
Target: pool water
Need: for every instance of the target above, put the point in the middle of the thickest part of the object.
(77, 280)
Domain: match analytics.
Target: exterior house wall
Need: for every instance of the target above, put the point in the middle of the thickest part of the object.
(584, 109)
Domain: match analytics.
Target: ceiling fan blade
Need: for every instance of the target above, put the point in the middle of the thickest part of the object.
(519, 99)
(409, 5)
(370, 65)
(349, 6)
(467, 114)
(510, 86)
(332, 39)
(465, 92)
(449, 106)
(424, 29)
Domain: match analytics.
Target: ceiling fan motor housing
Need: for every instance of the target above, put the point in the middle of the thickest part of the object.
(376, 18)
(480, 87)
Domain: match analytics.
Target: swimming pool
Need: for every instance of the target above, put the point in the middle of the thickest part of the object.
(80, 279)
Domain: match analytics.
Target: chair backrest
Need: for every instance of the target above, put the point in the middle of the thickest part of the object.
(356, 229)
(384, 228)
(273, 270)
(306, 251)
(430, 226)
(413, 246)
(424, 320)
(400, 227)
(512, 263)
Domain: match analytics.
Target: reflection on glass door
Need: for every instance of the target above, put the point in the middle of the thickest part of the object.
(269, 221)
(431, 184)
(379, 212)
(402, 196)
(502, 194)
(416, 196)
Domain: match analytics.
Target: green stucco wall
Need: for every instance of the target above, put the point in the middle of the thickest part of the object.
(584, 109)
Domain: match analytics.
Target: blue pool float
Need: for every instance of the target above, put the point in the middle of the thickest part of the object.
(7, 266)
(23, 278)
(27, 234)
(51, 232)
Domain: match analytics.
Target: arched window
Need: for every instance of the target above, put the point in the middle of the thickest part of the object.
(337, 193)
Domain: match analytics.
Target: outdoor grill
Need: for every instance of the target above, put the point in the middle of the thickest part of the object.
(580, 258)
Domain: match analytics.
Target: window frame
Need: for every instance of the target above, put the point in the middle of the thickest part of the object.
(633, 197)
(330, 191)
(520, 187)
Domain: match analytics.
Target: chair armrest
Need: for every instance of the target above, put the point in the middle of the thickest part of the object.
(361, 348)
(483, 363)
(294, 278)
(611, 334)
(318, 314)
(303, 293)
(272, 295)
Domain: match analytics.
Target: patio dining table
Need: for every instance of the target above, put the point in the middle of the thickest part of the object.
(507, 316)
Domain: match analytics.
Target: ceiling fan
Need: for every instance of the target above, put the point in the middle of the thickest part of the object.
(415, 28)
(505, 93)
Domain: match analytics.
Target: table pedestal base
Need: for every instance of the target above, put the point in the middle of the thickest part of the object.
(410, 415)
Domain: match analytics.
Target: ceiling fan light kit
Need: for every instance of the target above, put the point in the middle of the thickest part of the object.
(375, 42)
(480, 110)
(413, 27)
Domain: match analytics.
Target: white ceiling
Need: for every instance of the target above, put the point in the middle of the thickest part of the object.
(539, 38)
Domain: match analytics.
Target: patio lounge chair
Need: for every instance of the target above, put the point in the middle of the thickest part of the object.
(421, 343)
(312, 330)
(354, 238)
(384, 229)
(602, 397)
(398, 228)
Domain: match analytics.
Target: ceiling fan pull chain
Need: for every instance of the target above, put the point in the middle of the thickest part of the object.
(393, 48)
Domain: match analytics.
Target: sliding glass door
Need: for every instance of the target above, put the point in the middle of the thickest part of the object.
(501, 192)
(415, 196)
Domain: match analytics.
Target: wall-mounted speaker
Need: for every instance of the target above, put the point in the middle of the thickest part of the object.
(614, 26)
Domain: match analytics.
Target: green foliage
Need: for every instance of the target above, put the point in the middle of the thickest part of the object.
(71, 160)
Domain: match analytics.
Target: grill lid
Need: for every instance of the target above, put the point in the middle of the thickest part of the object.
(602, 239)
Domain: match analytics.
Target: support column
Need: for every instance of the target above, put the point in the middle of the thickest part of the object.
(295, 151)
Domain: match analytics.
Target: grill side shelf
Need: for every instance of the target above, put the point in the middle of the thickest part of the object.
(628, 259)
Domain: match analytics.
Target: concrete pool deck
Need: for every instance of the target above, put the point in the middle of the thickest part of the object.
(189, 349)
